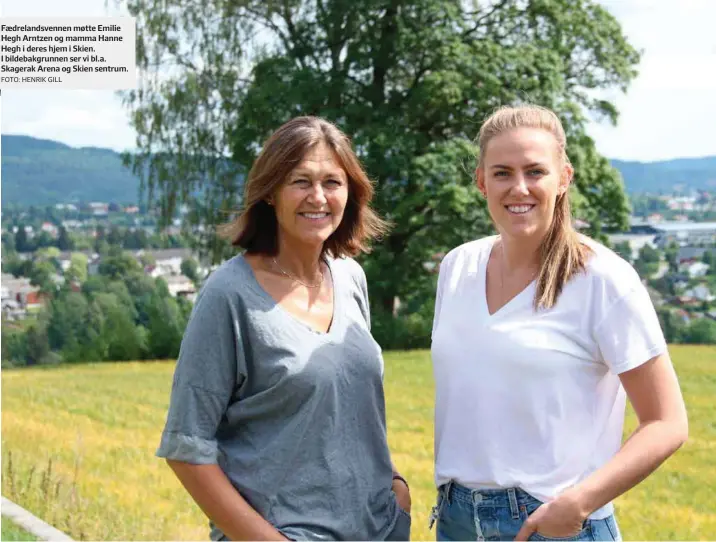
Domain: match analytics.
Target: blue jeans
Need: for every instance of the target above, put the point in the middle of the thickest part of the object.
(498, 514)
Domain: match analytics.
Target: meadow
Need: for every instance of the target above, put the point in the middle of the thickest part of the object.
(78, 448)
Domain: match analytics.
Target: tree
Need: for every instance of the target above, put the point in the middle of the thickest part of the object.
(190, 269)
(118, 264)
(77, 271)
(166, 326)
(38, 346)
(624, 250)
(671, 254)
(22, 242)
(409, 80)
(701, 331)
(42, 276)
(64, 241)
(647, 263)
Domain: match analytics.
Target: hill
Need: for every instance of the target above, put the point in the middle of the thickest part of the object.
(43, 172)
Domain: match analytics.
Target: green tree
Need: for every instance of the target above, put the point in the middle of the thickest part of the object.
(671, 254)
(22, 242)
(166, 326)
(409, 80)
(647, 263)
(77, 271)
(38, 346)
(119, 333)
(42, 276)
(64, 241)
(118, 264)
(701, 331)
(190, 269)
(624, 250)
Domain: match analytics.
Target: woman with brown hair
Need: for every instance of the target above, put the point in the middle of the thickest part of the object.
(539, 335)
(276, 424)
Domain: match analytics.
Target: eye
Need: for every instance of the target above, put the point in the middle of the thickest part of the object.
(537, 172)
(334, 183)
(501, 173)
(301, 182)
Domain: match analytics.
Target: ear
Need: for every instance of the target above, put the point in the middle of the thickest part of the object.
(566, 179)
(480, 181)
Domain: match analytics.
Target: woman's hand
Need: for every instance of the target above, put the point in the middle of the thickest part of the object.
(560, 518)
(402, 494)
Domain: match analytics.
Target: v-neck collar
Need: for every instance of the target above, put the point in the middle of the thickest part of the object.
(527, 293)
(333, 327)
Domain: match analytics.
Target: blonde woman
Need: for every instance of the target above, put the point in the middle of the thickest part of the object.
(276, 423)
(539, 335)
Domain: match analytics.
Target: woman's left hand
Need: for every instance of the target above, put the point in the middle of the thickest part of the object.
(402, 494)
(561, 518)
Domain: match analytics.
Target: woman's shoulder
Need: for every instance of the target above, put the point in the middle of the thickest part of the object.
(469, 252)
(609, 270)
(347, 267)
(233, 276)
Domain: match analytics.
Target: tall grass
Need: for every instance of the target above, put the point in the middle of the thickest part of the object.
(78, 451)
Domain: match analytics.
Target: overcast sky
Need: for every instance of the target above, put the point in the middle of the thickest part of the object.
(668, 112)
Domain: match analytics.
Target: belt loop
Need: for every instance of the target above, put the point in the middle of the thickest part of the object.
(512, 494)
(448, 487)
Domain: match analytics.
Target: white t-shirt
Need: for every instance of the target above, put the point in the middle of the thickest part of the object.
(532, 399)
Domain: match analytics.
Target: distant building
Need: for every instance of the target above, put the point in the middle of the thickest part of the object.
(701, 293)
(180, 286)
(681, 233)
(636, 241)
(98, 208)
(696, 269)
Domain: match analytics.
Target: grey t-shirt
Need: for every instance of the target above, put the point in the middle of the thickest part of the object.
(294, 417)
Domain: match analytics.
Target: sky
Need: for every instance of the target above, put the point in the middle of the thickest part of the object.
(668, 112)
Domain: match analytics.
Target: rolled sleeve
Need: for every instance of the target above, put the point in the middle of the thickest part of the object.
(209, 370)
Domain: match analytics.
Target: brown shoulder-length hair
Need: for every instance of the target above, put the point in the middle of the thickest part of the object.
(256, 227)
(562, 253)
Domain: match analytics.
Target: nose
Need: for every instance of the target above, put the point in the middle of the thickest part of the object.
(520, 185)
(316, 195)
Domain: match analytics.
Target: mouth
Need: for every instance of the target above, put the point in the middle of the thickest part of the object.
(519, 209)
(315, 216)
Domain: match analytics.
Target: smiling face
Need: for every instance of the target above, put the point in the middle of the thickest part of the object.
(522, 174)
(310, 203)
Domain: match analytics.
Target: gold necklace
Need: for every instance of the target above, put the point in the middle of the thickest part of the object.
(295, 278)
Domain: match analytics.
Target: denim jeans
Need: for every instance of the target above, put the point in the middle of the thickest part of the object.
(498, 514)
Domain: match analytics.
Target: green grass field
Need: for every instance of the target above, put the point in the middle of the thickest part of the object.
(78, 451)
(11, 532)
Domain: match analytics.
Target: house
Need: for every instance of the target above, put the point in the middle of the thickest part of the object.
(696, 269)
(166, 261)
(180, 286)
(18, 295)
(98, 208)
(700, 292)
(49, 227)
(691, 254)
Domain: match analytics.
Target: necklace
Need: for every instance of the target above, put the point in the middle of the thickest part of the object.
(295, 278)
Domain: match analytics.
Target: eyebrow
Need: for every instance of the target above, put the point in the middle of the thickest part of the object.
(533, 164)
(311, 173)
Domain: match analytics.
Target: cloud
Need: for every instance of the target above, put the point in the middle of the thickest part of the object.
(669, 110)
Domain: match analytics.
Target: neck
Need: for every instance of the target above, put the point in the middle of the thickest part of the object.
(300, 260)
(520, 254)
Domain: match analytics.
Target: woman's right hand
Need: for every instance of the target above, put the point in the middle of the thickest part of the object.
(402, 494)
